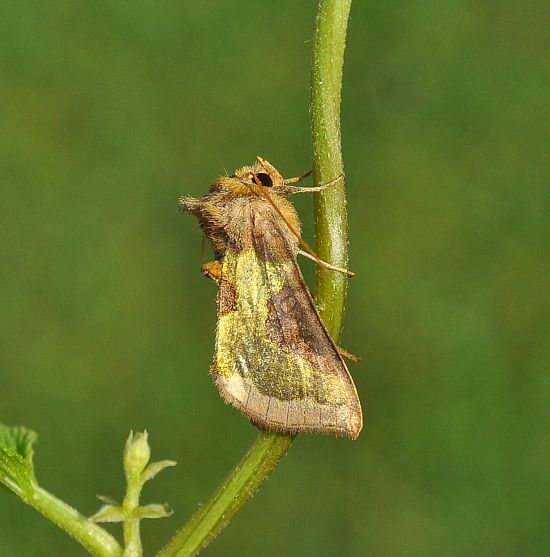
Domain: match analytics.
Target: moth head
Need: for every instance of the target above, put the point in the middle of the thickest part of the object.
(260, 177)
(263, 176)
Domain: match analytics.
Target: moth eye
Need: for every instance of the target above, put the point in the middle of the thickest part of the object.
(264, 179)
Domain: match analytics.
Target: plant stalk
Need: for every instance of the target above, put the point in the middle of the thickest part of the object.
(95, 539)
(331, 226)
(131, 526)
(232, 494)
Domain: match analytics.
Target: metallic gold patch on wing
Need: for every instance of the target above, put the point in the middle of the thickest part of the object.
(244, 347)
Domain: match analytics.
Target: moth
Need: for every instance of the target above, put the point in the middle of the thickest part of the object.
(274, 359)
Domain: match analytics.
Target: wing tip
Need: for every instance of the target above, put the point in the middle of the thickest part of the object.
(289, 416)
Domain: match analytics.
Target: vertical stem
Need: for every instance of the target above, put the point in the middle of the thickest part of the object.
(331, 232)
(131, 526)
(330, 205)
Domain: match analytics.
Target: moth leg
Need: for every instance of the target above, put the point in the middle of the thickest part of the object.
(325, 264)
(345, 354)
(213, 270)
(290, 190)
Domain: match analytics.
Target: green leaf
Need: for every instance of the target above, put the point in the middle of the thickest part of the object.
(154, 468)
(16, 452)
(108, 500)
(152, 511)
(19, 439)
(109, 513)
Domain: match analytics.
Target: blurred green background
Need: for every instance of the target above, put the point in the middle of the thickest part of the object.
(111, 110)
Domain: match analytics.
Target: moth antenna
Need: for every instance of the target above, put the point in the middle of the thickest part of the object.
(260, 191)
(298, 178)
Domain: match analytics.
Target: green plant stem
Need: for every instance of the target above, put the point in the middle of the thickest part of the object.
(231, 495)
(95, 539)
(331, 228)
(331, 234)
(131, 528)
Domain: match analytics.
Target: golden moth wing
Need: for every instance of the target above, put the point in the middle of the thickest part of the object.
(274, 359)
